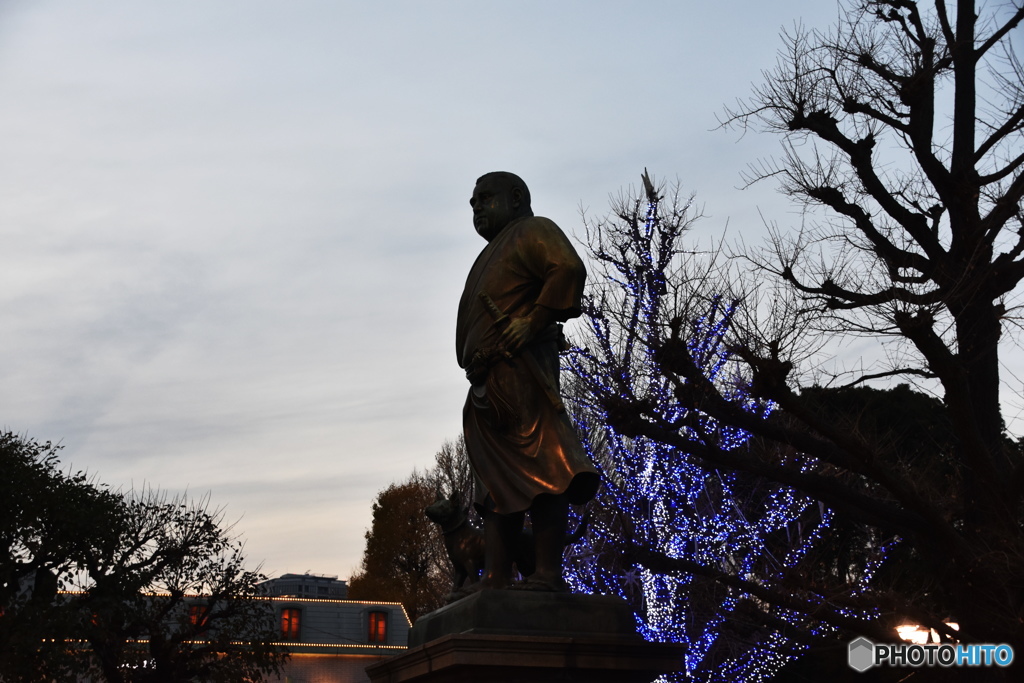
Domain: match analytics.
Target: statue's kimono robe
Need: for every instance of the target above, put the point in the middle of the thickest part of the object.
(518, 436)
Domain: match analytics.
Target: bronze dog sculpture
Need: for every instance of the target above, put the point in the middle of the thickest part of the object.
(463, 541)
(465, 544)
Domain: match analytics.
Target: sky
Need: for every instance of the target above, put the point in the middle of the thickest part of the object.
(233, 234)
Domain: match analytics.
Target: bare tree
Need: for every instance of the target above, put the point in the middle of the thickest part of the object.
(452, 475)
(167, 598)
(902, 137)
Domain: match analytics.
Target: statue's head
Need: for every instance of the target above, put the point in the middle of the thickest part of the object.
(498, 199)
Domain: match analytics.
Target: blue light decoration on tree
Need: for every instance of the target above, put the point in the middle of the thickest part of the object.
(654, 496)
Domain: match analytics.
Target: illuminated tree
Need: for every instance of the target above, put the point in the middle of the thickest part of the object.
(658, 501)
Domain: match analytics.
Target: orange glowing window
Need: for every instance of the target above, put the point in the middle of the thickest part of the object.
(197, 615)
(290, 621)
(378, 627)
(198, 618)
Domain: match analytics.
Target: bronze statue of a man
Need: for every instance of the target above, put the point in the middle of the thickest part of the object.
(525, 454)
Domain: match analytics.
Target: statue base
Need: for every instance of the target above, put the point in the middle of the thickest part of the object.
(506, 636)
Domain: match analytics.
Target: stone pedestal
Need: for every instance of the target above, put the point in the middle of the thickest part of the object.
(526, 637)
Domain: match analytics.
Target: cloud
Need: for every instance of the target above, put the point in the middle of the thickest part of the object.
(235, 234)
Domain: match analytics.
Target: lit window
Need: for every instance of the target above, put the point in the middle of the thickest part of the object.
(197, 615)
(290, 620)
(378, 627)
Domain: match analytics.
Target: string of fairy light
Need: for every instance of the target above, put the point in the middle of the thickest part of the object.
(661, 498)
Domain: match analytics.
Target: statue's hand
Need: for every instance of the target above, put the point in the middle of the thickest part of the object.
(520, 331)
(479, 366)
(516, 334)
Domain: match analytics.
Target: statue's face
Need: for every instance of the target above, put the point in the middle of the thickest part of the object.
(494, 207)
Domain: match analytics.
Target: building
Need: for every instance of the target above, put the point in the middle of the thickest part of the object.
(328, 640)
(306, 585)
(333, 641)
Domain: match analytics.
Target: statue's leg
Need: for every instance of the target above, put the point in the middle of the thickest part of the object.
(549, 515)
(501, 533)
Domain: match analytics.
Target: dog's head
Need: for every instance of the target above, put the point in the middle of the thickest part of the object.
(445, 512)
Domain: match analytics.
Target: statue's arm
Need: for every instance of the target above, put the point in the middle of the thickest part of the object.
(547, 253)
(560, 270)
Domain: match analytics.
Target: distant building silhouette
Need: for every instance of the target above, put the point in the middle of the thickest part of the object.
(306, 585)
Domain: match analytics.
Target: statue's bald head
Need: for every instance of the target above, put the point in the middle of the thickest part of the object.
(498, 199)
(508, 181)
